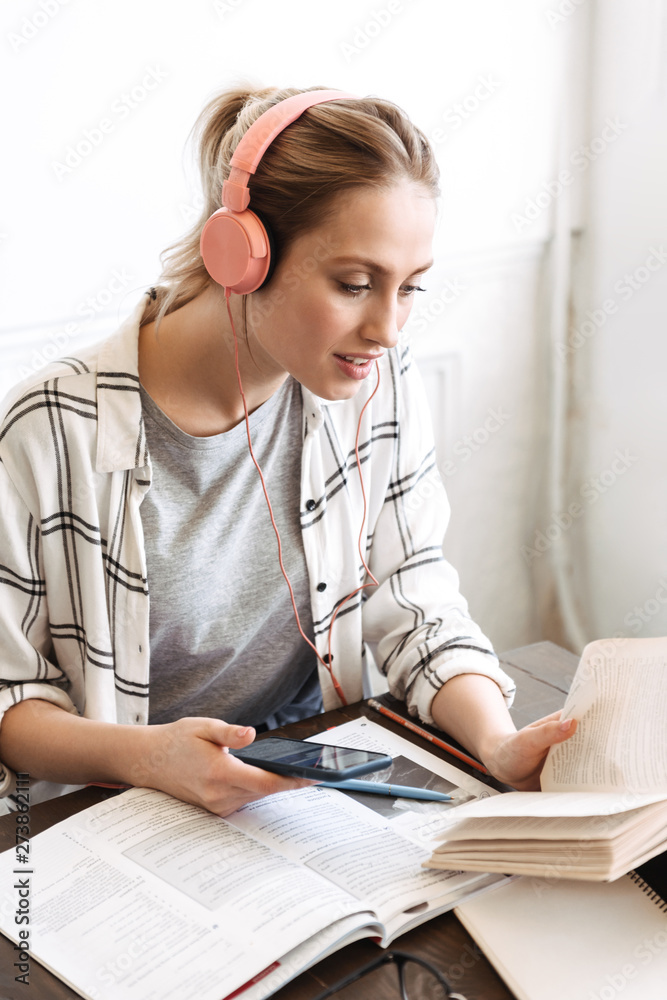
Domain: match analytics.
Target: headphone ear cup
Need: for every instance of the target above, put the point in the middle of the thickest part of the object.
(236, 250)
(272, 249)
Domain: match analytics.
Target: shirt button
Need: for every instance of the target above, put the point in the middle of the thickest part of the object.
(310, 505)
(321, 587)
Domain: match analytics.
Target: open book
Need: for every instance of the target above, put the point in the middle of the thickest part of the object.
(603, 806)
(143, 896)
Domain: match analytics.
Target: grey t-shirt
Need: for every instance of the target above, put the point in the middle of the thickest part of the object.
(224, 641)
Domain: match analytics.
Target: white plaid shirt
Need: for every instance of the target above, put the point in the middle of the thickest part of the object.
(74, 467)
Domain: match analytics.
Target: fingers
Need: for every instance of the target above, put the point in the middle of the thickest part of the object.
(548, 732)
(519, 757)
(259, 781)
(242, 775)
(224, 734)
(566, 728)
(238, 784)
(204, 773)
(557, 731)
(547, 718)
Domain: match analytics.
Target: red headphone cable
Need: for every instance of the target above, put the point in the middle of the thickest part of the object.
(336, 685)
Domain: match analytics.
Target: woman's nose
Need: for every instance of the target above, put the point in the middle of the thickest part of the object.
(382, 326)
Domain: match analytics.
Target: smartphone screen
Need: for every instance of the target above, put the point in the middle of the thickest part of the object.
(311, 760)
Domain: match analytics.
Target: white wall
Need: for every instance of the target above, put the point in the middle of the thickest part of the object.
(618, 356)
(483, 79)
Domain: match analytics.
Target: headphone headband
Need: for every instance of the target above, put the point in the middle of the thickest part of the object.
(260, 135)
(235, 244)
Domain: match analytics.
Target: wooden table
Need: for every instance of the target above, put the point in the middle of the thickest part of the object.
(542, 672)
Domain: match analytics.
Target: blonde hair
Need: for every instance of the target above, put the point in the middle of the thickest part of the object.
(331, 147)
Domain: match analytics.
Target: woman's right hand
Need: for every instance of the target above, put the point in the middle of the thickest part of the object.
(189, 760)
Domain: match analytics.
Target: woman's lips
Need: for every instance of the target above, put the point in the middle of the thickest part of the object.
(354, 370)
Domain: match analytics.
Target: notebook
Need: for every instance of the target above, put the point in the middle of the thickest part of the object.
(556, 939)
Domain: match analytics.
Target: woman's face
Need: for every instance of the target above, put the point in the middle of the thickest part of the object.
(342, 292)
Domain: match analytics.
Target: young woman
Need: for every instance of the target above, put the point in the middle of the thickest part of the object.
(129, 474)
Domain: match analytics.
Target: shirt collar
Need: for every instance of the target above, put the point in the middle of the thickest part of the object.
(314, 407)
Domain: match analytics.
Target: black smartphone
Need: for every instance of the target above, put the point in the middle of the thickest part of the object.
(302, 759)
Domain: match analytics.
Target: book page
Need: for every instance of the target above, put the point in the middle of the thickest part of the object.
(144, 888)
(373, 846)
(550, 828)
(554, 804)
(619, 698)
(352, 846)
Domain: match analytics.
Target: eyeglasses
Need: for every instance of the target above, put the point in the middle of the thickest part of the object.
(417, 979)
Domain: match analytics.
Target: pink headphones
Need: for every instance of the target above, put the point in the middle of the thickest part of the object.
(235, 245)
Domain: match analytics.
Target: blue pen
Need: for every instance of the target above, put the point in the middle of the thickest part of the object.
(400, 791)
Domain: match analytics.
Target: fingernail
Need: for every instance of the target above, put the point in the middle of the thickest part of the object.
(243, 730)
(564, 726)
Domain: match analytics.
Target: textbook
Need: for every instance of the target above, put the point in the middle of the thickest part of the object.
(602, 810)
(145, 897)
(554, 938)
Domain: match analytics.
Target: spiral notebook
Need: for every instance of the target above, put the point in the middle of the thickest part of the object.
(551, 939)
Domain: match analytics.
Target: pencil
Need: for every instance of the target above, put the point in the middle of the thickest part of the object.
(414, 728)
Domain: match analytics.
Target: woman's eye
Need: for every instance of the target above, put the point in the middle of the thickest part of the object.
(405, 290)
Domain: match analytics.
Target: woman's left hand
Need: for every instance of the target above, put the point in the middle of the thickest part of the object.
(517, 758)
(471, 708)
